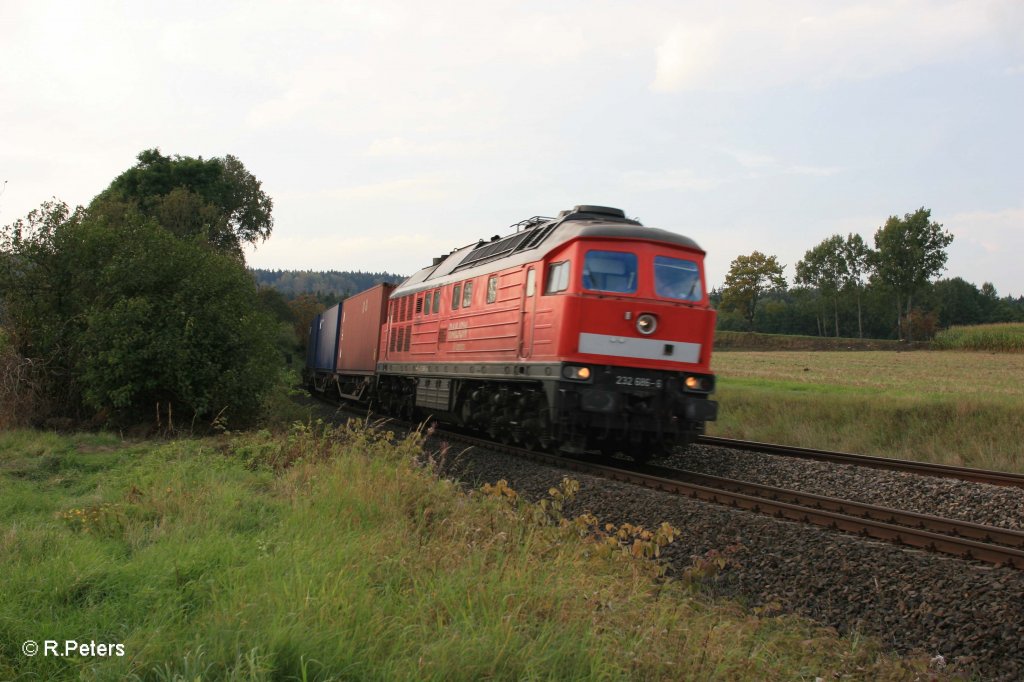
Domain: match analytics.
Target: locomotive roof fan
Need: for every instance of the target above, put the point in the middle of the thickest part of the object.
(590, 212)
(603, 210)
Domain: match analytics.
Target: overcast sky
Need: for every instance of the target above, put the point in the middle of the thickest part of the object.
(390, 132)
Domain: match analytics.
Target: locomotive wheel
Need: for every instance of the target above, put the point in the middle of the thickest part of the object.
(640, 457)
(492, 427)
(651, 447)
(466, 413)
(540, 430)
(537, 443)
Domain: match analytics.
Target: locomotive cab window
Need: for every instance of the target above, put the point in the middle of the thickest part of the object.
(426, 302)
(611, 271)
(437, 300)
(558, 277)
(531, 281)
(467, 294)
(677, 278)
(492, 289)
(456, 296)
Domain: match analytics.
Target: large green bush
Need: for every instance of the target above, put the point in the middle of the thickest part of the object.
(124, 315)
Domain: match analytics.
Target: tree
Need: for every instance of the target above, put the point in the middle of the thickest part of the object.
(216, 199)
(304, 309)
(909, 252)
(172, 323)
(41, 286)
(124, 315)
(857, 256)
(957, 302)
(749, 278)
(824, 267)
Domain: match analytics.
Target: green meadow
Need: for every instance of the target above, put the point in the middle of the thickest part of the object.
(953, 407)
(335, 554)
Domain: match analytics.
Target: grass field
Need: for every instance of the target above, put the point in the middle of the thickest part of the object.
(329, 555)
(728, 340)
(953, 407)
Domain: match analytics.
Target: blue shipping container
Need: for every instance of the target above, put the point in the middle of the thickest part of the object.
(313, 337)
(327, 340)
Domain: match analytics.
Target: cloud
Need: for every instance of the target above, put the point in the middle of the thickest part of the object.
(685, 56)
(751, 159)
(985, 247)
(678, 179)
(815, 171)
(420, 188)
(398, 147)
(764, 164)
(401, 252)
(993, 231)
(768, 45)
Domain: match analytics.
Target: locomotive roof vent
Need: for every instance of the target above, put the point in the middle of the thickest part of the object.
(603, 210)
(590, 212)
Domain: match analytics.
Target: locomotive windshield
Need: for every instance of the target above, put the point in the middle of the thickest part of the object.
(677, 278)
(612, 271)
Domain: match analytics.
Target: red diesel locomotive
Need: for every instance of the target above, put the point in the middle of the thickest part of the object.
(587, 331)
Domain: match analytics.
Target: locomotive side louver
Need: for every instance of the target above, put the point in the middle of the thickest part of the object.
(493, 250)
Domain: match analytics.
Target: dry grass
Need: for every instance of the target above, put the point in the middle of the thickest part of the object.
(20, 390)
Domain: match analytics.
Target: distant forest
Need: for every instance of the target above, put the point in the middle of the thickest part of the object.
(332, 285)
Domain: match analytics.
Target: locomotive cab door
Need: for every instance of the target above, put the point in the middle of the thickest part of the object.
(528, 306)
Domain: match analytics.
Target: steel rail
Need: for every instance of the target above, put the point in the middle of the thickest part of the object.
(874, 522)
(1001, 478)
(958, 545)
(929, 522)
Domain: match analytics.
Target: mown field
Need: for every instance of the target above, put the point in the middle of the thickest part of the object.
(320, 555)
(952, 407)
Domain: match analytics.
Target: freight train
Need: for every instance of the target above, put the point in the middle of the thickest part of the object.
(583, 332)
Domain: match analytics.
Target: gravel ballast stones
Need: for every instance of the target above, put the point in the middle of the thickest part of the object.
(911, 600)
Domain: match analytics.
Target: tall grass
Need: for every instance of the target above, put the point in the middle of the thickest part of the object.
(999, 338)
(330, 554)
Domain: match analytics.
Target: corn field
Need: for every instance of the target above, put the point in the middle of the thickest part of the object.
(1001, 338)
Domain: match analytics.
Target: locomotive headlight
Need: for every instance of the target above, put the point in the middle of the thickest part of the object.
(577, 373)
(699, 383)
(646, 324)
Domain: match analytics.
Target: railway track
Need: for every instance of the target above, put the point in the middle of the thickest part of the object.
(921, 468)
(962, 539)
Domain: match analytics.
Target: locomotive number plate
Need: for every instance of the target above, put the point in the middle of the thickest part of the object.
(637, 382)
